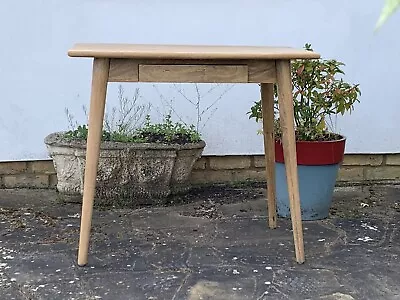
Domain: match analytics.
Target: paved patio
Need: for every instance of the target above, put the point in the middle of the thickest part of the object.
(215, 246)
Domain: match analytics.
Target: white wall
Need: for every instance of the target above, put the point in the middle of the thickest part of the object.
(38, 80)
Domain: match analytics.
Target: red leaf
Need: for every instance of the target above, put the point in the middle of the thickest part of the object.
(300, 70)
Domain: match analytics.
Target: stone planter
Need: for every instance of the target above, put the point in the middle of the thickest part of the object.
(128, 173)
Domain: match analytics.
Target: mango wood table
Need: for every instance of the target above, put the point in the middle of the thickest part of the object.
(201, 64)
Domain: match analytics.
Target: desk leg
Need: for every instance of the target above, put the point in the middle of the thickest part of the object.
(267, 103)
(286, 114)
(96, 115)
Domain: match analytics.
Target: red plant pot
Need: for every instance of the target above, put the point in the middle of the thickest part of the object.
(314, 153)
(318, 165)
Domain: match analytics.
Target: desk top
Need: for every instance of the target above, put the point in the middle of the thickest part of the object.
(187, 52)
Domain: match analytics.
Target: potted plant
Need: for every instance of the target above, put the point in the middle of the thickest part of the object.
(319, 94)
(139, 162)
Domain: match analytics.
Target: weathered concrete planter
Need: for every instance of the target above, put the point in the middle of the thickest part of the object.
(128, 172)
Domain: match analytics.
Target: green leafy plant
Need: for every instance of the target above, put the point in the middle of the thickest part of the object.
(388, 9)
(128, 123)
(128, 116)
(167, 132)
(318, 94)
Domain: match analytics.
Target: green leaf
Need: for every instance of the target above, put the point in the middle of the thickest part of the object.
(388, 9)
(319, 91)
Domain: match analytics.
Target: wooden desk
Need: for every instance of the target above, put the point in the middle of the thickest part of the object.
(201, 64)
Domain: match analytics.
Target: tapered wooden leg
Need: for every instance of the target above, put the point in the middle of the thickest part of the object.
(267, 103)
(96, 115)
(285, 99)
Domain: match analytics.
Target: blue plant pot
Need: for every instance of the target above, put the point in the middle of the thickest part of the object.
(316, 185)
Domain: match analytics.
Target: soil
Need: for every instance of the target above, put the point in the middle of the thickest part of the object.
(206, 198)
(366, 201)
(179, 139)
(206, 201)
(353, 202)
(326, 137)
(143, 136)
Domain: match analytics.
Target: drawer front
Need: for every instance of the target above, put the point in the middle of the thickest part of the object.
(193, 73)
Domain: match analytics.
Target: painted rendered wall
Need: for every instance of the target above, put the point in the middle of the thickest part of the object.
(38, 81)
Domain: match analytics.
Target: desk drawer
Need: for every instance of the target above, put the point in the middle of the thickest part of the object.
(193, 73)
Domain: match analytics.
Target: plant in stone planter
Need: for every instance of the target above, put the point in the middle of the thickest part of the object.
(319, 93)
(139, 160)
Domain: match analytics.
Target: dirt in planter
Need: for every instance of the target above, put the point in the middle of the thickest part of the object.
(179, 138)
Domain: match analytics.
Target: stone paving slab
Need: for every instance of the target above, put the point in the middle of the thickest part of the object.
(212, 244)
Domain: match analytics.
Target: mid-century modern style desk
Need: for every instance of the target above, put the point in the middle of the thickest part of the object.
(201, 64)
